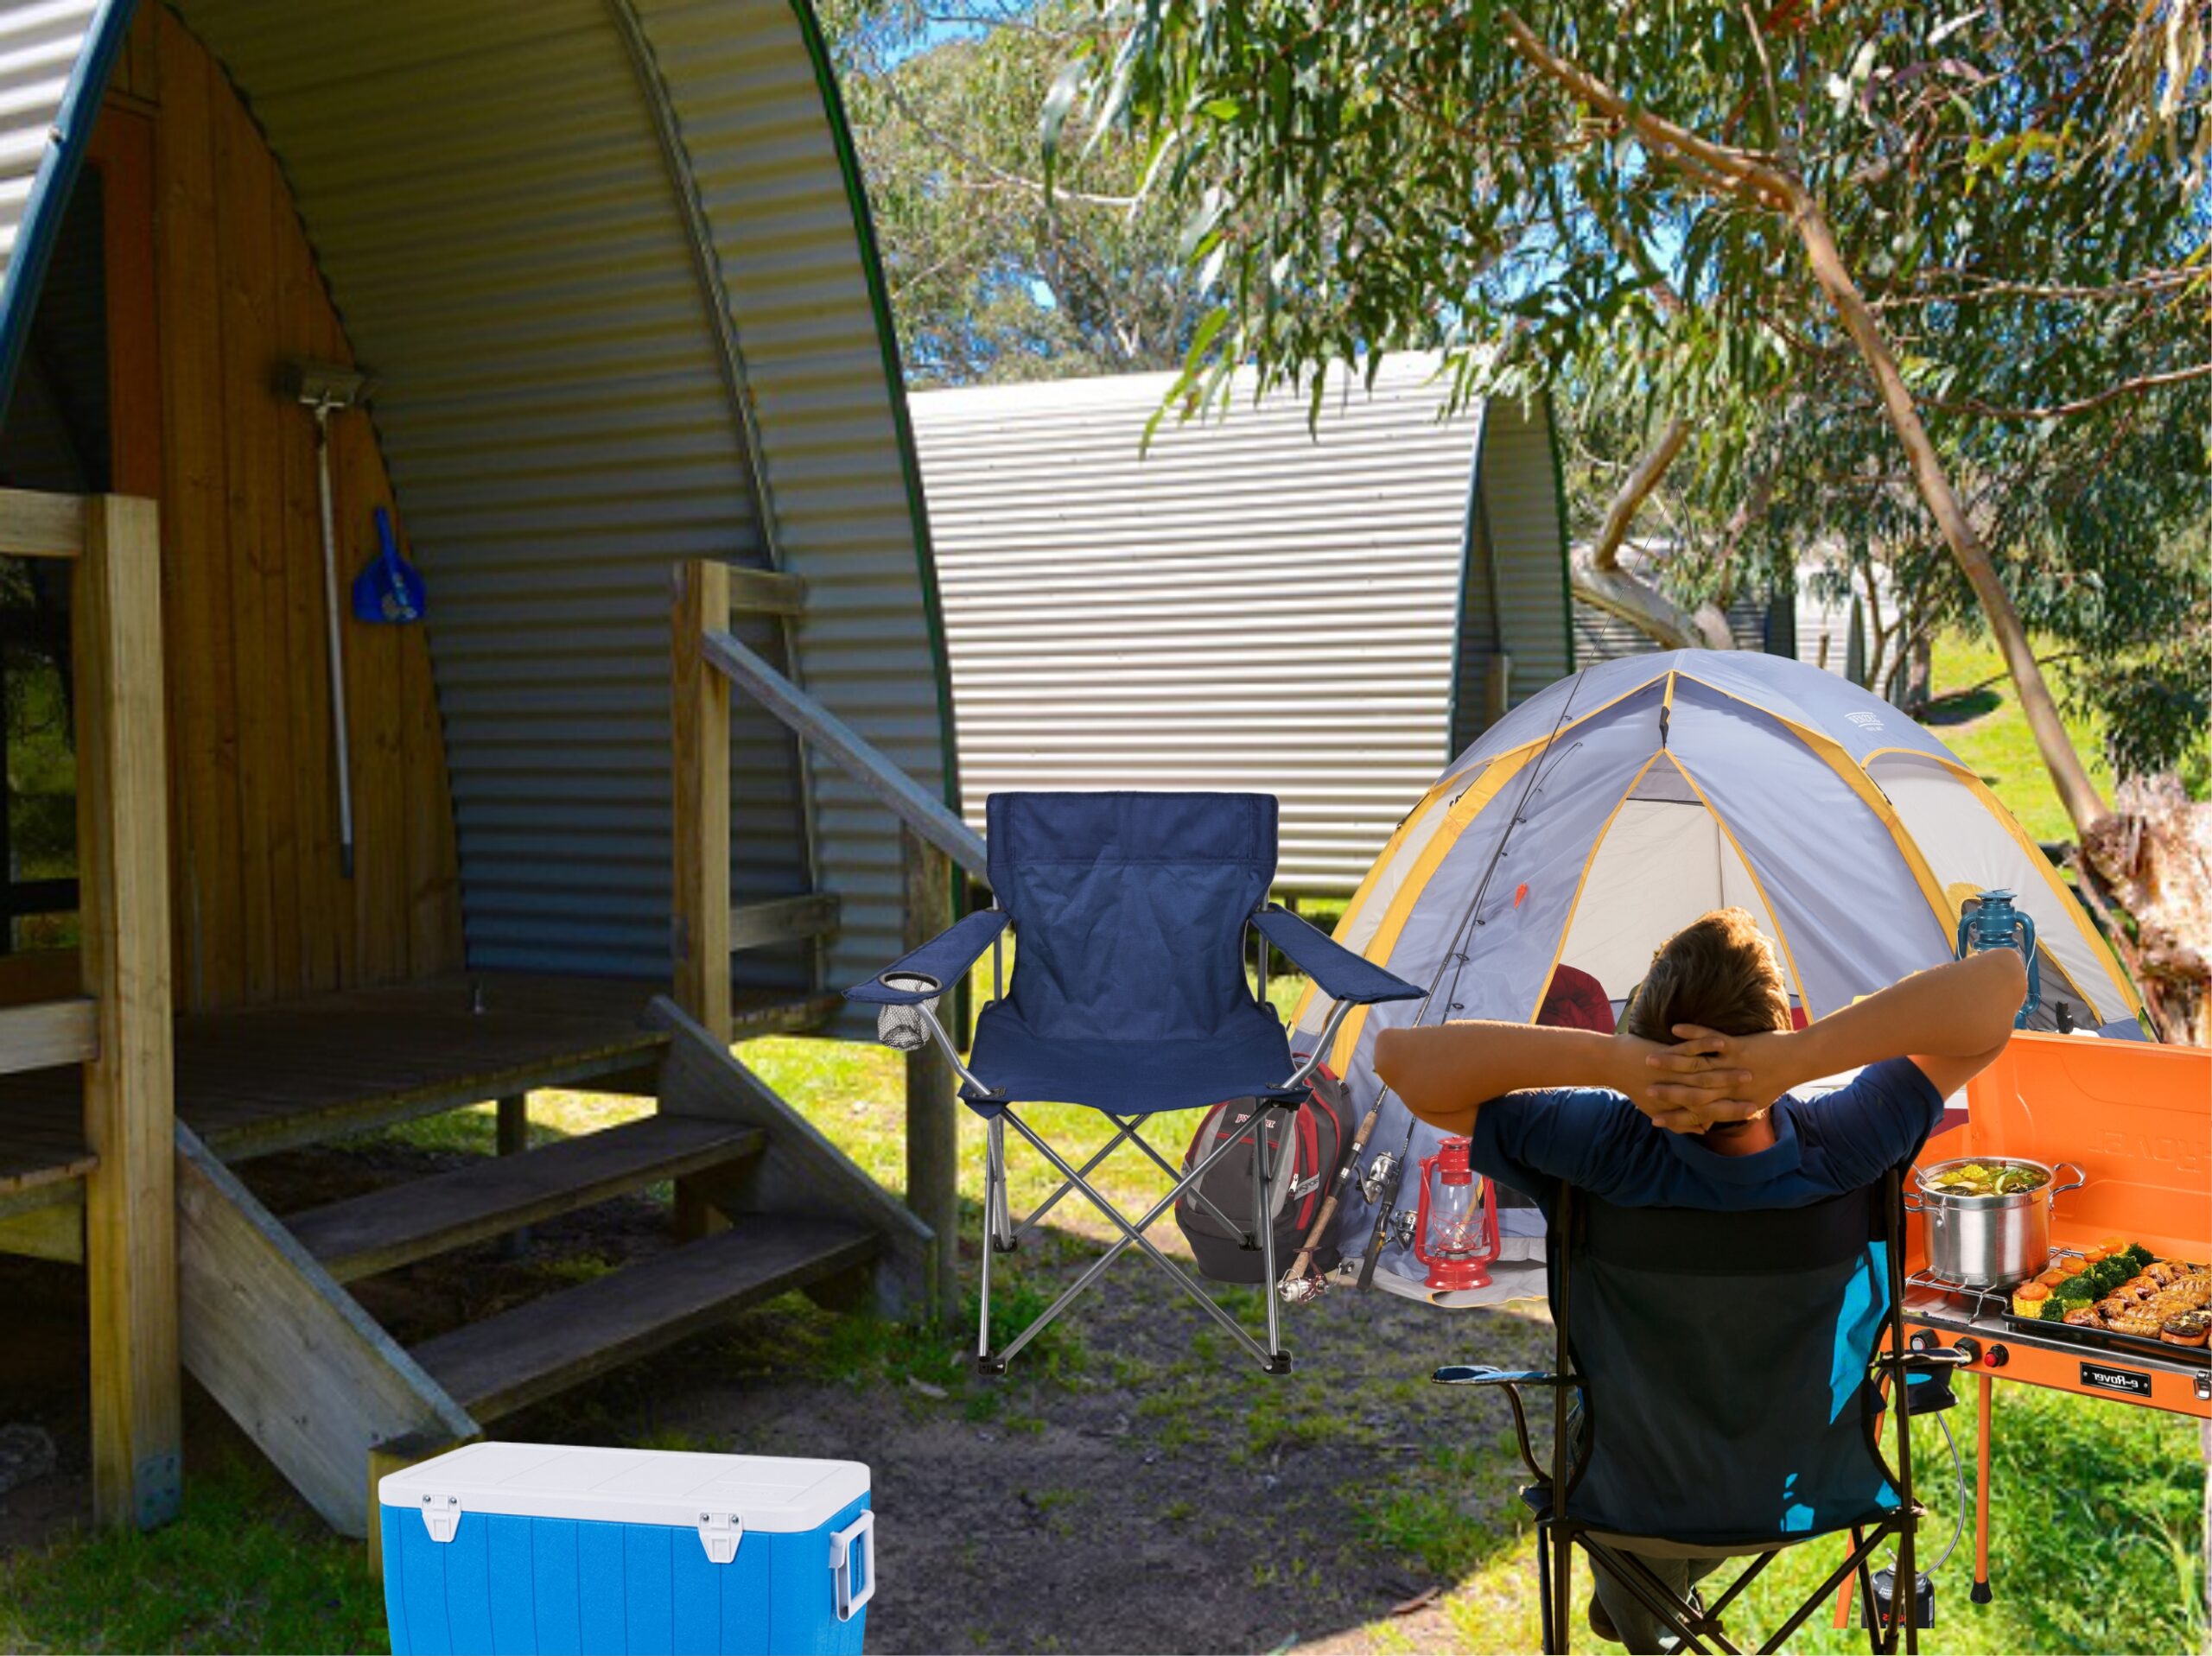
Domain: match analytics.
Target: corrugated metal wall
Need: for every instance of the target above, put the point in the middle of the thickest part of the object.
(1515, 599)
(502, 229)
(824, 386)
(1247, 605)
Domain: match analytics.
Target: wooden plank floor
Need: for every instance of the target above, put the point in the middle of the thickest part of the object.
(268, 1078)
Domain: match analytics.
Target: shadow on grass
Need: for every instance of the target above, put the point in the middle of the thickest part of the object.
(1962, 707)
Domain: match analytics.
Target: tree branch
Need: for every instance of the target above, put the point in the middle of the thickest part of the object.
(1642, 478)
(2080, 405)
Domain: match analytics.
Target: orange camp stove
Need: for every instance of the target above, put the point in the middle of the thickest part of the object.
(2135, 1118)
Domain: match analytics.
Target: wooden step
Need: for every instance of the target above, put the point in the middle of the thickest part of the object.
(499, 1365)
(385, 1229)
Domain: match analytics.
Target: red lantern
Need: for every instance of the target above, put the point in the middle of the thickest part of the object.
(1455, 1230)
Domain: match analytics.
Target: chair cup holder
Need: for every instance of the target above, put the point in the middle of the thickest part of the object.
(906, 1028)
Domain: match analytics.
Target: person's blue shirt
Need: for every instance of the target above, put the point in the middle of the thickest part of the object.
(1598, 1141)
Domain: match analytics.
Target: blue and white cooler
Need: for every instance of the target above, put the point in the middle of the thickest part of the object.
(540, 1549)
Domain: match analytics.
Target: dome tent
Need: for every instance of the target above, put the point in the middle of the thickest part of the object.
(1623, 802)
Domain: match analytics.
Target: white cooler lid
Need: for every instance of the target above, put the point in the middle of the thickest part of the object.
(631, 1485)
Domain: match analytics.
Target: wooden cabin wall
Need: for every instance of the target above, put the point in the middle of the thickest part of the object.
(263, 912)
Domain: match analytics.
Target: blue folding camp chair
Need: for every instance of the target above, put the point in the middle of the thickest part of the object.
(1130, 997)
(1714, 1396)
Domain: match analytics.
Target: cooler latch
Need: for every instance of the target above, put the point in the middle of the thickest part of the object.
(719, 1532)
(441, 1516)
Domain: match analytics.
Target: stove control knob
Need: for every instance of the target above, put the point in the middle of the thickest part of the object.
(1923, 1340)
(1999, 1356)
(1969, 1350)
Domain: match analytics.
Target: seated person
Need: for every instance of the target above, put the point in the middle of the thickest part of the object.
(1688, 1104)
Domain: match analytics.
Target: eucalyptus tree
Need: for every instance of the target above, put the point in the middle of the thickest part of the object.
(992, 276)
(1982, 225)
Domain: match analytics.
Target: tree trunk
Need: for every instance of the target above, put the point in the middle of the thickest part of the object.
(2075, 792)
(1598, 578)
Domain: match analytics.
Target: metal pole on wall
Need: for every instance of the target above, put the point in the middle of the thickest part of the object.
(933, 1109)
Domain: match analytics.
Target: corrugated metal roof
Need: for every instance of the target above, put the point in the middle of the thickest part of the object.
(54, 58)
(509, 239)
(1249, 604)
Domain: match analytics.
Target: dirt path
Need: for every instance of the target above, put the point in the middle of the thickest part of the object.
(1128, 1487)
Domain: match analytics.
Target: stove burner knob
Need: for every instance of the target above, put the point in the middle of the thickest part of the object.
(1923, 1340)
(1999, 1356)
(1969, 1350)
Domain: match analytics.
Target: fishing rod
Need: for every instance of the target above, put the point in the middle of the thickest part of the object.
(1387, 1173)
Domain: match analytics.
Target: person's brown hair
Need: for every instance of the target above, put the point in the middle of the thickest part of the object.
(1717, 972)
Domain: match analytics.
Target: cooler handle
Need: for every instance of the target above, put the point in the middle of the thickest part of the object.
(862, 1529)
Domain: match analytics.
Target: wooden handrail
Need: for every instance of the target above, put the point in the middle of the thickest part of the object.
(47, 1033)
(36, 524)
(908, 800)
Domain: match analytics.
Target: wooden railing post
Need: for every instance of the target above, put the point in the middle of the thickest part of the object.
(701, 919)
(933, 1109)
(129, 1106)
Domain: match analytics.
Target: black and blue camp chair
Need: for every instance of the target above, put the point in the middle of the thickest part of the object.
(1130, 997)
(1723, 1371)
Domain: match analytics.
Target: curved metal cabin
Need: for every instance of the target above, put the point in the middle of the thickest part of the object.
(609, 266)
(1326, 611)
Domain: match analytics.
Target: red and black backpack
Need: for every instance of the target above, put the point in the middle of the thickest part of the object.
(1215, 1215)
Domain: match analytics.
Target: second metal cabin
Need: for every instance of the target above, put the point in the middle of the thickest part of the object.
(608, 261)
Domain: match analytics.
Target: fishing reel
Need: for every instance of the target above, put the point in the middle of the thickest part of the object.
(1377, 1178)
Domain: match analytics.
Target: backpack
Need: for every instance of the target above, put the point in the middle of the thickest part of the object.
(1318, 1133)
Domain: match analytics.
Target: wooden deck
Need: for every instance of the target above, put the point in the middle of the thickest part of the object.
(270, 1078)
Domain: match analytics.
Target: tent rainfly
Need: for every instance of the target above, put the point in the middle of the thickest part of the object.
(1251, 601)
(1626, 801)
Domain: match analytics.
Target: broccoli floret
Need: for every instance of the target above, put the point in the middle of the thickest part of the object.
(2139, 1259)
(2106, 1275)
(2076, 1290)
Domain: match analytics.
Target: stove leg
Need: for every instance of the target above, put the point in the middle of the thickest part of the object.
(1987, 1403)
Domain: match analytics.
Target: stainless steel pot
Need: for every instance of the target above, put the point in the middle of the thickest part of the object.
(1989, 1241)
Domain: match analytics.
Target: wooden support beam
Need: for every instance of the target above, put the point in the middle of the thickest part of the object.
(785, 919)
(700, 923)
(766, 592)
(512, 1130)
(933, 1110)
(50, 1033)
(293, 1358)
(908, 800)
(39, 525)
(129, 1102)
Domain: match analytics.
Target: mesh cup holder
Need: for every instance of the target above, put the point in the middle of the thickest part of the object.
(904, 1029)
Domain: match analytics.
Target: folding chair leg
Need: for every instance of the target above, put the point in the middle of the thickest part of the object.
(1562, 1587)
(993, 1212)
(1132, 1236)
(998, 1214)
(1266, 1170)
(1544, 1544)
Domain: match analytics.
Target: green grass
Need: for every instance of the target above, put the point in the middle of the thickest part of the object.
(1978, 715)
(224, 1576)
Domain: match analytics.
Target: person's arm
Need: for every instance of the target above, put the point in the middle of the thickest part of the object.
(1445, 1072)
(1952, 1021)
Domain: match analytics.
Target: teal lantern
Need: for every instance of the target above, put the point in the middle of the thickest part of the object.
(1989, 920)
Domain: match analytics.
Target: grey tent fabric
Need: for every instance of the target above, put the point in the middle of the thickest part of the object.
(1619, 803)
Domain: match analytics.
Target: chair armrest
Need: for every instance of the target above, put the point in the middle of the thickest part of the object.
(1482, 1374)
(1341, 975)
(944, 959)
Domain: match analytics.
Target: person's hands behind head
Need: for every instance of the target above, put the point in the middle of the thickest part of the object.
(1708, 1077)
